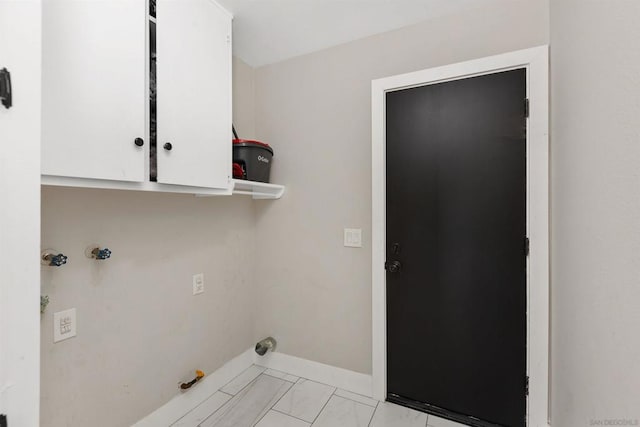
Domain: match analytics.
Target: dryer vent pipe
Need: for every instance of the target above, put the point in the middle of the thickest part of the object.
(265, 345)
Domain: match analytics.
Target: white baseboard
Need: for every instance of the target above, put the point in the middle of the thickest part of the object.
(177, 407)
(315, 371)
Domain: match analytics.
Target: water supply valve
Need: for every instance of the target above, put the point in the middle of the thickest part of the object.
(98, 253)
(53, 258)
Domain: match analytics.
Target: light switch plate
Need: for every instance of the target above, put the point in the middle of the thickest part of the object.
(64, 324)
(198, 283)
(353, 237)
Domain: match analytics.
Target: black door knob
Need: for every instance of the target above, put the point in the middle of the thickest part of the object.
(167, 146)
(392, 266)
(139, 142)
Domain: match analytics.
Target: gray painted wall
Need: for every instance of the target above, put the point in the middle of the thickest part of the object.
(595, 212)
(140, 330)
(316, 112)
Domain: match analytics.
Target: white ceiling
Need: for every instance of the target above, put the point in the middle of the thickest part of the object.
(269, 31)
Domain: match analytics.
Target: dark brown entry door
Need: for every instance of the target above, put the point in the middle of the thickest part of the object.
(456, 248)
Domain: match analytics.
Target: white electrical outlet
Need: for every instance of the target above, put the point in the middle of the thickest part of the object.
(64, 325)
(198, 283)
(353, 237)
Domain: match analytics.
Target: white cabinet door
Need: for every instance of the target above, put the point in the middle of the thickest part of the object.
(194, 93)
(20, 215)
(93, 89)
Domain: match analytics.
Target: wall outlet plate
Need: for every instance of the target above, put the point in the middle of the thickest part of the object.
(64, 325)
(353, 237)
(198, 283)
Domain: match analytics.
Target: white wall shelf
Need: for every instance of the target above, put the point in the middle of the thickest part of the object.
(258, 190)
(63, 181)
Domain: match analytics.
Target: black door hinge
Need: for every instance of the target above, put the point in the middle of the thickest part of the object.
(3, 420)
(526, 108)
(526, 246)
(526, 386)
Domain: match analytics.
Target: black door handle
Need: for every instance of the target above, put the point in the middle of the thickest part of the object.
(5, 88)
(139, 142)
(392, 266)
(167, 146)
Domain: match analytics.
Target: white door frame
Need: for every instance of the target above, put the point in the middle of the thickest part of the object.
(536, 61)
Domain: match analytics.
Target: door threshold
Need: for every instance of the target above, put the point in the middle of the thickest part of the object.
(437, 411)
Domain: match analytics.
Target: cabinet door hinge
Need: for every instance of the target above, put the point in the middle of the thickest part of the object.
(228, 39)
(526, 108)
(526, 246)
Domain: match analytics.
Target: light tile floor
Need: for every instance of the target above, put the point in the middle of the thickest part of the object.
(266, 398)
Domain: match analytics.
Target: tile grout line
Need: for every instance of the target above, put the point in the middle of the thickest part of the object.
(281, 397)
(293, 385)
(233, 396)
(292, 416)
(270, 408)
(230, 395)
(209, 415)
(275, 370)
(234, 378)
(265, 413)
(245, 386)
(306, 379)
(208, 397)
(374, 414)
(338, 388)
(353, 400)
(324, 406)
(273, 376)
(332, 386)
(193, 409)
(216, 411)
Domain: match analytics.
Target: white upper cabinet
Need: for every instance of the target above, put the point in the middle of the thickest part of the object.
(95, 95)
(93, 89)
(193, 93)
